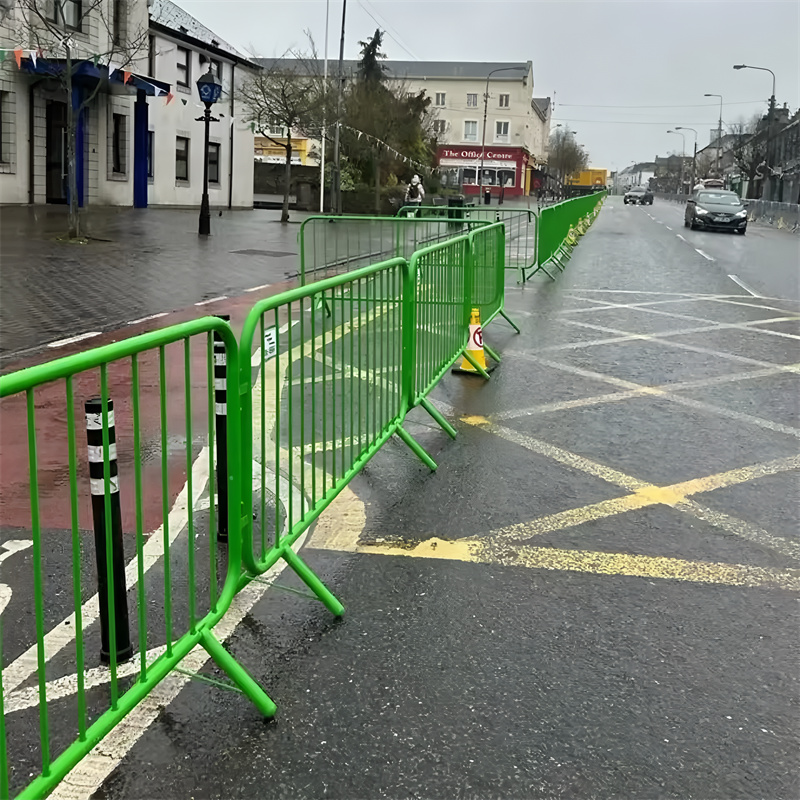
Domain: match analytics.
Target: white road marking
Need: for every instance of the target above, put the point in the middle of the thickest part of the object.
(147, 319)
(284, 328)
(668, 227)
(11, 546)
(706, 256)
(258, 288)
(680, 237)
(744, 286)
(73, 339)
(212, 300)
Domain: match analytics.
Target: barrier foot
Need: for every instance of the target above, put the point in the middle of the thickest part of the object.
(493, 353)
(478, 368)
(238, 674)
(437, 416)
(416, 448)
(509, 321)
(309, 578)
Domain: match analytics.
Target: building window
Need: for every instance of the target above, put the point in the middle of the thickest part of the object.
(471, 130)
(151, 56)
(276, 128)
(184, 67)
(3, 104)
(213, 162)
(119, 21)
(119, 144)
(472, 100)
(440, 99)
(503, 101)
(68, 13)
(216, 68)
(439, 126)
(501, 132)
(150, 166)
(181, 158)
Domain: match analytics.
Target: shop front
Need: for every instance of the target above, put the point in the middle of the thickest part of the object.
(505, 169)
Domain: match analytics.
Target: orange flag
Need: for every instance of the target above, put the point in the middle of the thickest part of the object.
(170, 98)
(18, 55)
(126, 76)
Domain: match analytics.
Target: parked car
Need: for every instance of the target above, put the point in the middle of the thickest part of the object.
(716, 209)
(638, 195)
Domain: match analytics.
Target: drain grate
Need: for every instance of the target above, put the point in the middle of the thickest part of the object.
(270, 253)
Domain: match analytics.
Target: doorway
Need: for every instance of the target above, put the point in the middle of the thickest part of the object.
(56, 152)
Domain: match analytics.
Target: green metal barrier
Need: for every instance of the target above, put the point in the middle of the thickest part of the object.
(331, 392)
(521, 239)
(334, 245)
(554, 226)
(169, 614)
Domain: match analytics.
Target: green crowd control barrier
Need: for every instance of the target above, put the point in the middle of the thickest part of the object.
(521, 239)
(558, 224)
(334, 245)
(173, 608)
(324, 376)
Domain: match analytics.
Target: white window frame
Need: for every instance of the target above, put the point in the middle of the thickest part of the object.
(439, 126)
(441, 99)
(500, 138)
(473, 122)
(472, 96)
(500, 99)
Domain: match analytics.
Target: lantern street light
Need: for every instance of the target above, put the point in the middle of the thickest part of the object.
(694, 157)
(209, 88)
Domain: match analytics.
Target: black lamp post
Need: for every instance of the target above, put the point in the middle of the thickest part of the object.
(209, 89)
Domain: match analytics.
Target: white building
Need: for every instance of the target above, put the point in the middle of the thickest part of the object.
(137, 141)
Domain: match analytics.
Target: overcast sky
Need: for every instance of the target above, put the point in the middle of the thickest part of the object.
(622, 72)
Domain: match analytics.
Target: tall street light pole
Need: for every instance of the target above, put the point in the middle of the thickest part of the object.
(694, 156)
(719, 134)
(770, 119)
(485, 111)
(324, 114)
(683, 155)
(209, 88)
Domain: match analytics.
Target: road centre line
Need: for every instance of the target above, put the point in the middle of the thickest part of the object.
(72, 339)
(626, 565)
(258, 288)
(212, 300)
(681, 238)
(744, 286)
(706, 256)
(643, 493)
(668, 227)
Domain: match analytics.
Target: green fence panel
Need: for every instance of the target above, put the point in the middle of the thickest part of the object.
(162, 384)
(555, 221)
(329, 392)
(488, 252)
(334, 245)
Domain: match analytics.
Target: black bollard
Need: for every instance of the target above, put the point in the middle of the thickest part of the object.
(221, 425)
(94, 436)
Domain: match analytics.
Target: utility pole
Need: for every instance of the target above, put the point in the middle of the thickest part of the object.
(324, 114)
(336, 183)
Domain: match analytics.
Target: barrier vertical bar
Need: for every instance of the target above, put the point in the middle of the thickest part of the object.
(112, 593)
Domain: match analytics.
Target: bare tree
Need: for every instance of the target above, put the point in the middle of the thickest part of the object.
(47, 26)
(290, 95)
(750, 150)
(565, 155)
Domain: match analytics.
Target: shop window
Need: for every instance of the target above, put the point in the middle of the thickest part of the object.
(184, 67)
(505, 177)
(213, 162)
(501, 132)
(440, 99)
(471, 130)
(503, 101)
(470, 176)
(181, 158)
(472, 100)
(119, 144)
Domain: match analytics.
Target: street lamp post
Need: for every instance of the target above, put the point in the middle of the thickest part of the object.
(209, 89)
(683, 155)
(770, 118)
(719, 134)
(485, 111)
(694, 156)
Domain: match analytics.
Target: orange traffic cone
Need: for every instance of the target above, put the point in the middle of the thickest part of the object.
(474, 346)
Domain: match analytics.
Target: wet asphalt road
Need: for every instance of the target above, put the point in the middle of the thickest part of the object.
(595, 595)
